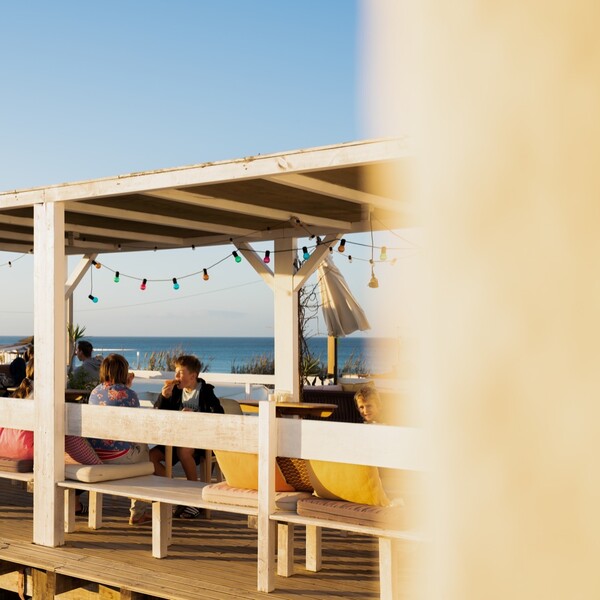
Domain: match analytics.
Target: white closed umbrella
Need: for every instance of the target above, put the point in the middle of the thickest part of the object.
(341, 312)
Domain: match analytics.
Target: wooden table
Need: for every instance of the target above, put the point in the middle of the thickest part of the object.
(71, 394)
(292, 409)
(74, 395)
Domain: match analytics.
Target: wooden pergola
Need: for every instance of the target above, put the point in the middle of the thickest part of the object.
(329, 191)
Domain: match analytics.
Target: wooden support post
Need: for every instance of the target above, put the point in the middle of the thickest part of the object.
(161, 528)
(285, 319)
(285, 549)
(43, 583)
(387, 572)
(332, 357)
(267, 444)
(70, 501)
(50, 343)
(313, 548)
(95, 510)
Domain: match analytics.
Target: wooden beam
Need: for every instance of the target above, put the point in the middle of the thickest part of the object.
(256, 262)
(331, 157)
(332, 190)
(245, 208)
(312, 264)
(141, 217)
(77, 275)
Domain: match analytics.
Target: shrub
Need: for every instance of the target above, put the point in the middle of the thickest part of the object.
(356, 365)
(257, 365)
(164, 360)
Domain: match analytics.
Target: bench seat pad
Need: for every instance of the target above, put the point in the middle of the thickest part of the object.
(350, 512)
(222, 493)
(94, 473)
(16, 465)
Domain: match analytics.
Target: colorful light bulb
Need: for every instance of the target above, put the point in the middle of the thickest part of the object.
(342, 245)
(175, 284)
(267, 258)
(238, 258)
(117, 279)
(205, 275)
(305, 254)
(93, 298)
(373, 283)
(98, 265)
(143, 285)
(383, 255)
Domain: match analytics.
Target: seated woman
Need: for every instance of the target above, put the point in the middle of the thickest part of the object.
(18, 444)
(114, 390)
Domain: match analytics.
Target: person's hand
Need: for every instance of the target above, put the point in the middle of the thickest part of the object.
(186, 409)
(167, 389)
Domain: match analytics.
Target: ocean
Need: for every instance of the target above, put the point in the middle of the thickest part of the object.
(219, 354)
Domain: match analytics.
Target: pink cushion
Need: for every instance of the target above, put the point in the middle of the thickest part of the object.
(16, 443)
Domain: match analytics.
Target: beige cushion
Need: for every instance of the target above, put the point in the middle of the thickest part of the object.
(354, 387)
(222, 493)
(93, 473)
(16, 465)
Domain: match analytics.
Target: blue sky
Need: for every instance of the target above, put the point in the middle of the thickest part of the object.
(99, 89)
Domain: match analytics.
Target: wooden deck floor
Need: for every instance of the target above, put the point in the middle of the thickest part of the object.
(213, 559)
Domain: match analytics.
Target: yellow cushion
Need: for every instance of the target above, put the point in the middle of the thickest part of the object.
(353, 483)
(241, 471)
(354, 387)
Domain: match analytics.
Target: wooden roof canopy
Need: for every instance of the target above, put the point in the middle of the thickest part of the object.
(332, 189)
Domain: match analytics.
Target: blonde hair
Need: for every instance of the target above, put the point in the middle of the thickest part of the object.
(25, 389)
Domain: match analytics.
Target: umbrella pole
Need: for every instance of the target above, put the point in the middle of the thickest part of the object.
(332, 357)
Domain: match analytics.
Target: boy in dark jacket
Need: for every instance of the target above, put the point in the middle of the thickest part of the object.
(187, 392)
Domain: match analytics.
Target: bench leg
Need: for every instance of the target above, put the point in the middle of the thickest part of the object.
(95, 510)
(69, 510)
(285, 549)
(161, 528)
(387, 570)
(313, 548)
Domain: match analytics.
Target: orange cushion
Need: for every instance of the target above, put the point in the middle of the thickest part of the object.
(241, 471)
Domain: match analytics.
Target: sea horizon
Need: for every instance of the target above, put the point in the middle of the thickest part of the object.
(221, 353)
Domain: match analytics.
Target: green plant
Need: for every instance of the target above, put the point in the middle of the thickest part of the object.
(80, 380)
(257, 365)
(164, 360)
(356, 365)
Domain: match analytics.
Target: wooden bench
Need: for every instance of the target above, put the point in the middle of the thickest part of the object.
(162, 492)
(339, 443)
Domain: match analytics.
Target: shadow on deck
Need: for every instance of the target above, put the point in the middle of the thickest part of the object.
(209, 558)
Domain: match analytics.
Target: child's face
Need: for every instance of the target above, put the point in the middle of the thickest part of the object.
(185, 378)
(368, 409)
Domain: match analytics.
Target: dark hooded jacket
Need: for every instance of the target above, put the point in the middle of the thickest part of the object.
(208, 402)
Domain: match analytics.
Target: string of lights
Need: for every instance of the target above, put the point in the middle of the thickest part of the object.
(307, 250)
